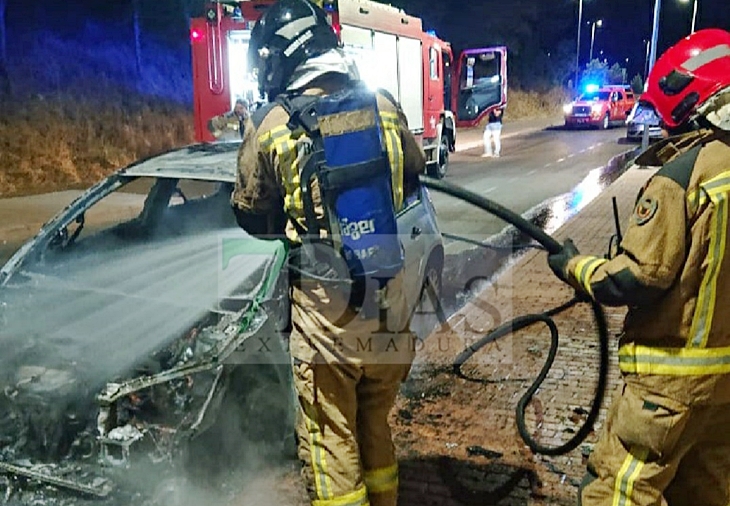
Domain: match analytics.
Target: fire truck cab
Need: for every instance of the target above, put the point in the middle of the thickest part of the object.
(391, 51)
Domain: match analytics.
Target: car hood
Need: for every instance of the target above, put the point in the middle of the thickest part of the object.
(103, 309)
(88, 335)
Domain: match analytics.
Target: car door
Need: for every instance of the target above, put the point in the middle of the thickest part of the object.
(416, 232)
(618, 106)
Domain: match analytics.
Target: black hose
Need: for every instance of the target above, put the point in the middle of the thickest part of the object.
(552, 246)
(521, 224)
(492, 247)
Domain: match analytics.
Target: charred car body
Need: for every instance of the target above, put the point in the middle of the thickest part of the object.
(137, 317)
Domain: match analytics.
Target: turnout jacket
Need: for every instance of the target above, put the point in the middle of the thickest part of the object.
(673, 268)
(272, 156)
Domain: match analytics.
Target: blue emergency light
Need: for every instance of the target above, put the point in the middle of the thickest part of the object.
(592, 88)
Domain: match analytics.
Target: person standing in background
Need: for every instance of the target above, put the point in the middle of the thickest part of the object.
(492, 134)
(231, 125)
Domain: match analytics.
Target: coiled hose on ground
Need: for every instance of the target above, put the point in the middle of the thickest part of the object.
(521, 322)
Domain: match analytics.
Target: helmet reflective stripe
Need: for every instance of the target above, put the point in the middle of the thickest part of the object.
(291, 30)
(707, 56)
(688, 74)
(298, 43)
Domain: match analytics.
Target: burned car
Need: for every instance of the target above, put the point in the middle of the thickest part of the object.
(137, 319)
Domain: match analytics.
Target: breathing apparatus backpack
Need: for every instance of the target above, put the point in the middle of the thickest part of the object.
(351, 166)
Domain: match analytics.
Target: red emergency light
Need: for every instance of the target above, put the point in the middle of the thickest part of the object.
(196, 35)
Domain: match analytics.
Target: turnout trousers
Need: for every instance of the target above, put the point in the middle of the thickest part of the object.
(347, 374)
(656, 450)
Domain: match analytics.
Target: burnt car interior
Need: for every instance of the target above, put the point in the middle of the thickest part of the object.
(92, 400)
(167, 211)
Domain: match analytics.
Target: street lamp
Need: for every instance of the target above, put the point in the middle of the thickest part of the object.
(694, 13)
(654, 33)
(652, 60)
(577, 51)
(595, 24)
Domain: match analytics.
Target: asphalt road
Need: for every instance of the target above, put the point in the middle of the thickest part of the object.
(539, 164)
(548, 168)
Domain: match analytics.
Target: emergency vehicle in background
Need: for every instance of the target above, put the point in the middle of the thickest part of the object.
(391, 50)
(600, 106)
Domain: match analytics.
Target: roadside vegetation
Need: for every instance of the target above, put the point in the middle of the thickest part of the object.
(524, 104)
(54, 143)
(76, 105)
(57, 142)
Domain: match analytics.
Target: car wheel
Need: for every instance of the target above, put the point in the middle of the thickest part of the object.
(606, 122)
(255, 419)
(432, 283)
(439, 170)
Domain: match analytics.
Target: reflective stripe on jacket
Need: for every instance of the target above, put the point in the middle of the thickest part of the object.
(271, 158)
(674, 270)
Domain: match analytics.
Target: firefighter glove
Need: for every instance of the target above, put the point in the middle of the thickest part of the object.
(558, 262)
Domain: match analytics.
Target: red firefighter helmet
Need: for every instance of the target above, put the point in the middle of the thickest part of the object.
(688, 74)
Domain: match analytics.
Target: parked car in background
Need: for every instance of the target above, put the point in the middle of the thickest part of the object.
(643, 116)
(600, 106)
(137, 318)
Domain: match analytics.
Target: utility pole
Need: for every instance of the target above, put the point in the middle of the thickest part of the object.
(598, 23)
(137, 38)
(652, 60)
(577, 51)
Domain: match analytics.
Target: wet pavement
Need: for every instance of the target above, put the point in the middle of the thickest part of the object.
(477, 261)
(457, 435)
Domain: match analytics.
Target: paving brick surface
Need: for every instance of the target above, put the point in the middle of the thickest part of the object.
(457, 436)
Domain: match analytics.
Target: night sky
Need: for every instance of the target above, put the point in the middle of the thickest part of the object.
(540, 34)
(626, 23)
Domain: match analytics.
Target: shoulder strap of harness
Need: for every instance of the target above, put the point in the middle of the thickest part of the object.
(389, 96)
(257, 117)
(680, 169)
(302, 113)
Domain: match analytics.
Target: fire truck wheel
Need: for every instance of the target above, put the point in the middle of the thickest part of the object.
(606, 122)
(439, 170)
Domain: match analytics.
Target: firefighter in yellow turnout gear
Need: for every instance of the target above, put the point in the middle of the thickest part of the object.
(667, 437)
(231, 125)
(347, 372)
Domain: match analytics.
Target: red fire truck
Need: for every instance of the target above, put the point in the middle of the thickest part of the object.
(391, 50)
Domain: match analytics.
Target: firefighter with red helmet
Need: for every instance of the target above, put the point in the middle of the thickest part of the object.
(346, 377)
(667, 436)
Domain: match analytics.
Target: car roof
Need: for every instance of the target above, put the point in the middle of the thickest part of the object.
(206, 161)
